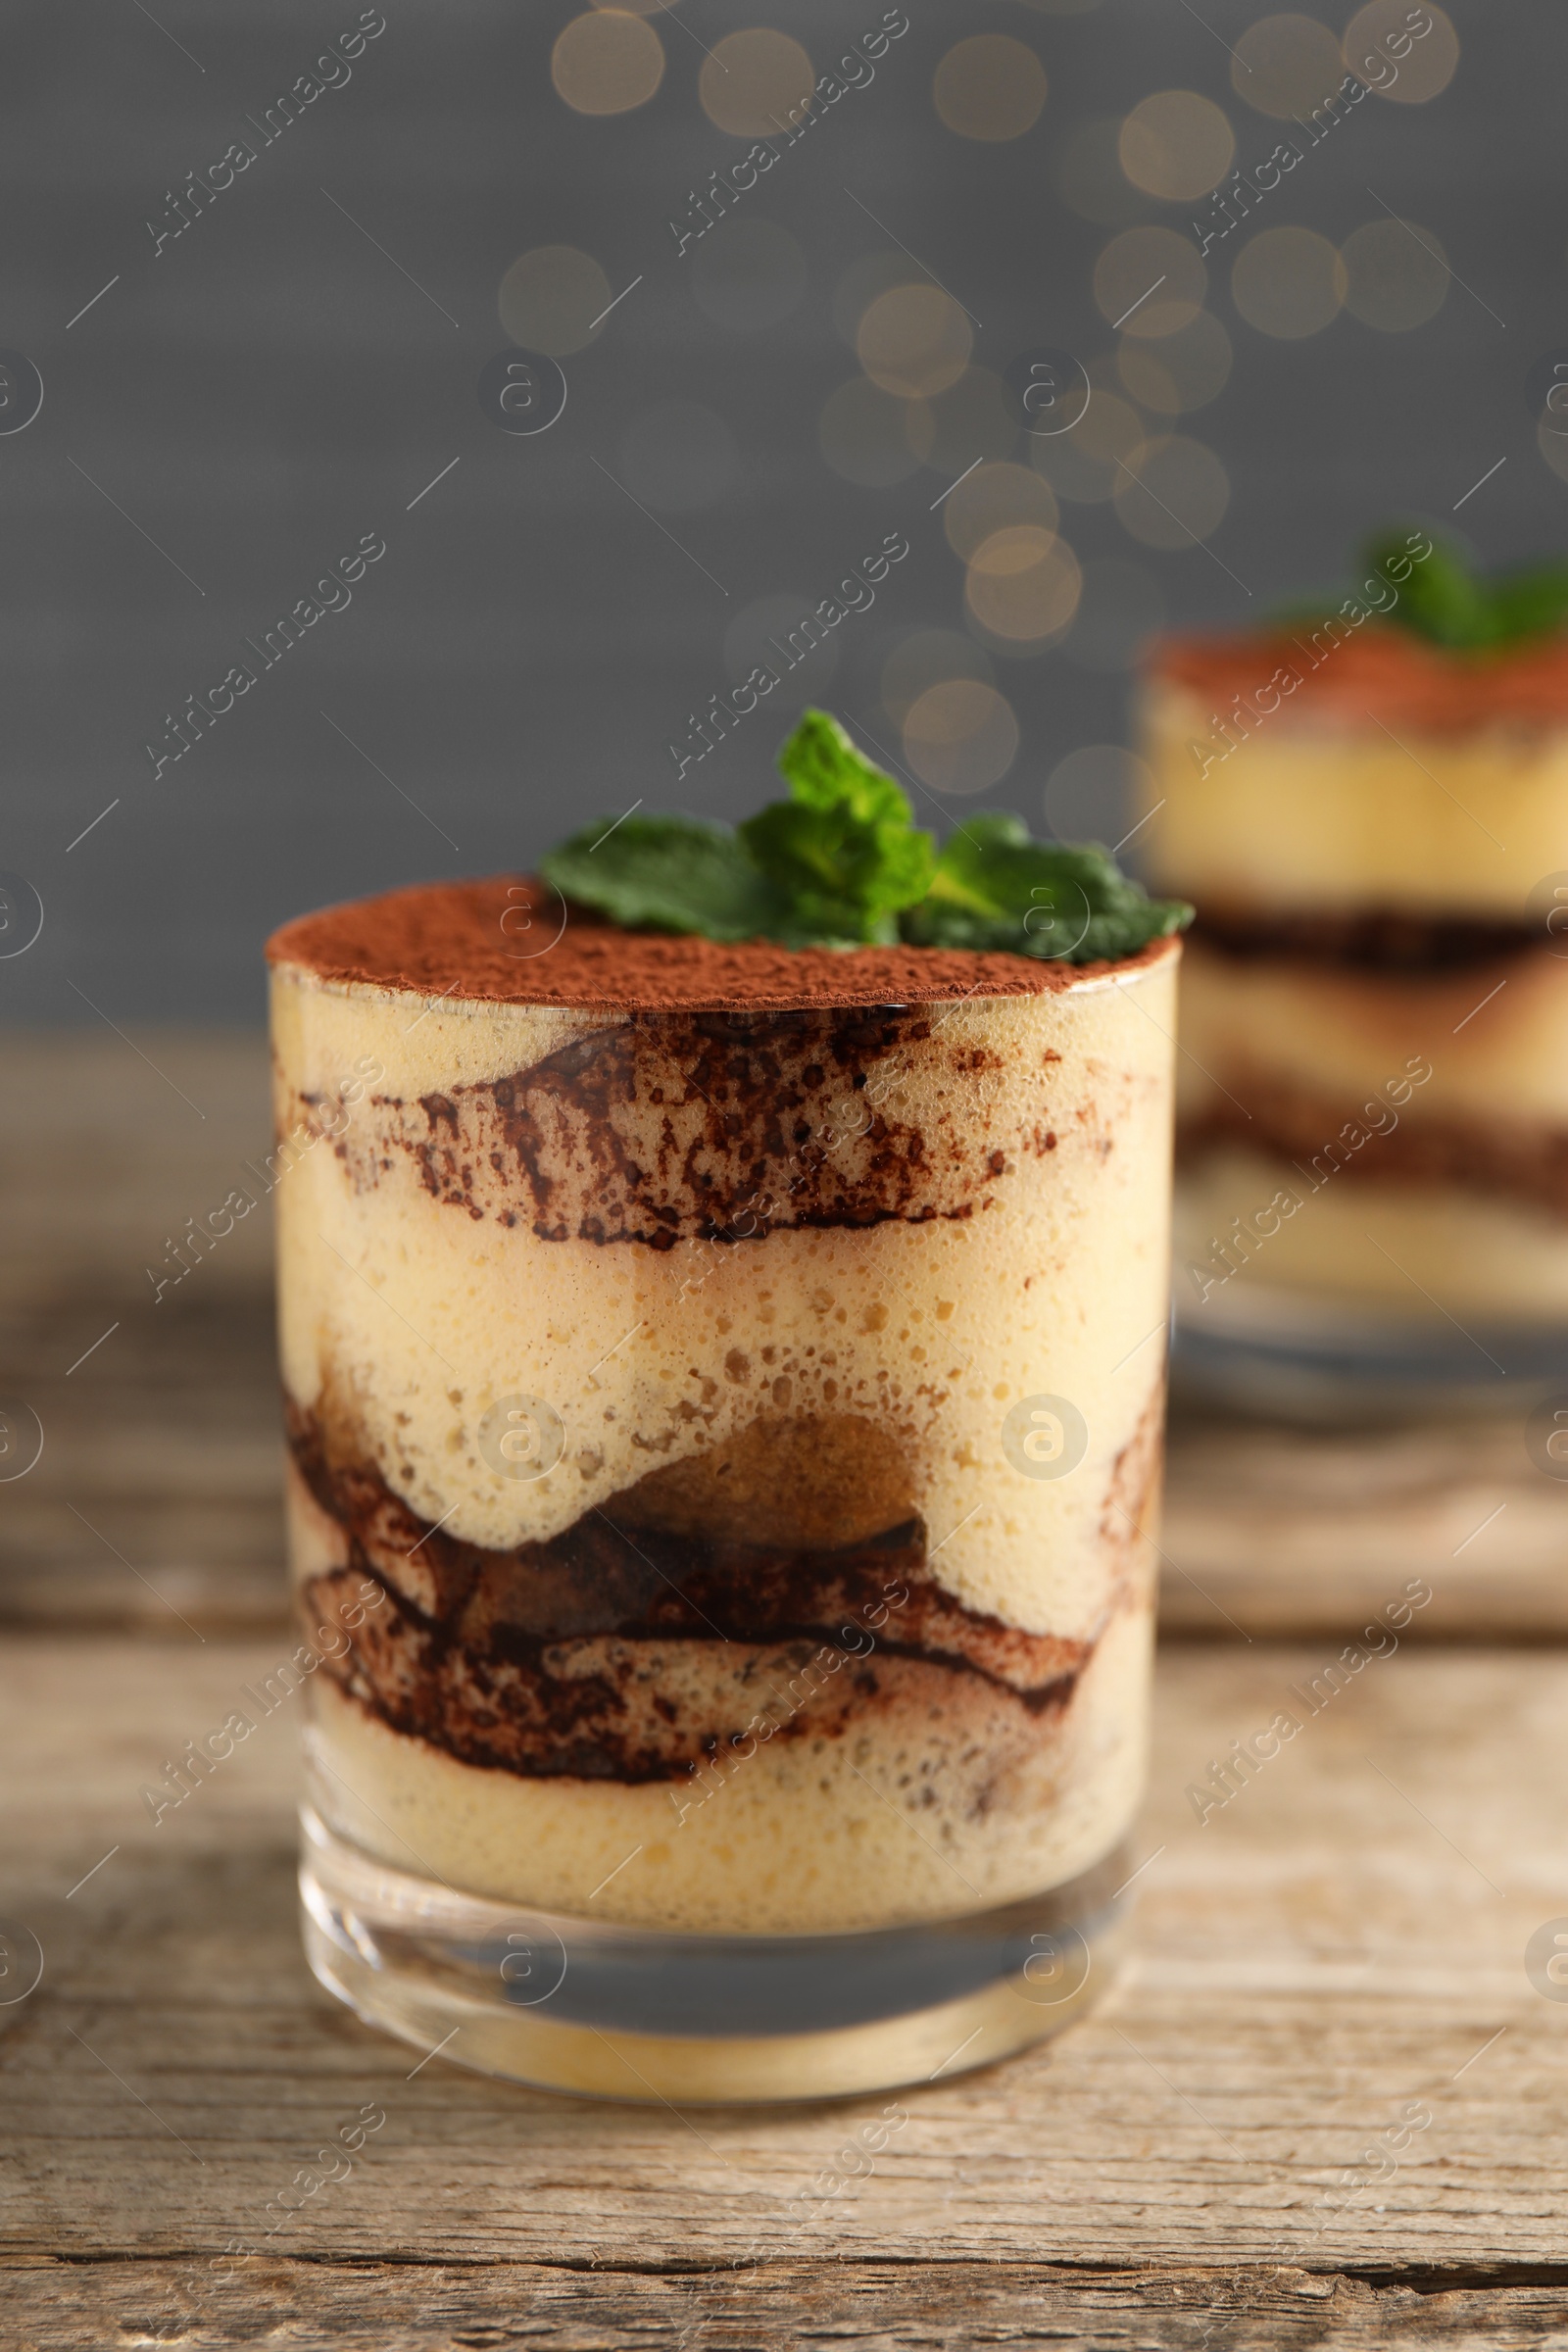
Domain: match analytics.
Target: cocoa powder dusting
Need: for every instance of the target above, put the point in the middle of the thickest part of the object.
(1381, 674)
(446, 938)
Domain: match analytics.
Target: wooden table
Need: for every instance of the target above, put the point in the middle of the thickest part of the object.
(1325, 2105)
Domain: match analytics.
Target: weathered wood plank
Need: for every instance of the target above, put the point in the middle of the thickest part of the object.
(115, 1143)
(1341, 1940)
(1280, 1531)
(159, 1486)
(160, 1415)
(875, 2306)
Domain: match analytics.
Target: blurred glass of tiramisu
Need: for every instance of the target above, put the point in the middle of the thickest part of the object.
(1368, 802)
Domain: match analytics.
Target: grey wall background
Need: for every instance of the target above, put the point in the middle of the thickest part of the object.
(272, 385)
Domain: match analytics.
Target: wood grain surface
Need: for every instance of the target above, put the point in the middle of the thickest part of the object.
(478, 2306)
(1275, 1530)
(1338, 1951)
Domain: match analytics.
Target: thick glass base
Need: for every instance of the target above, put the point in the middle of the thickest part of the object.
(641, 2014)
(1313, 1358)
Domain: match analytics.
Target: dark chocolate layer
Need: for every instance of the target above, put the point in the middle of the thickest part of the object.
(623, 1651)
(1319, 1144)
(714, 1126)
(1379, 939)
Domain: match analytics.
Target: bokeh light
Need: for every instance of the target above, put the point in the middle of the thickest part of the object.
(1090, 176)
(1172, 491)
(929, 658)
(607, 61)
(1084, 462)
(1023, 585)
(1108, 428)
(961, 736)
(752, 81)
(1394, 279)
(677, 457)
(1176, 145)
(550, 296)
(990, 86)
(1149, 281)
(862, 437)
(858, 287)
(1288, 282)
(1285, 65)
(1182, 371)
(1120, 608)
(1380, 37)
(991, 499)
(748, 273)
(977, 417)
(914, 341)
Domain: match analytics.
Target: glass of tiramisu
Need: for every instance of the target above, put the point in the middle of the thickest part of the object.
(1369, 803)
(723, 1295)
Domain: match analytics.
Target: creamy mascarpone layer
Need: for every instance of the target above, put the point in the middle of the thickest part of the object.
(410, 1318)
(1424, 1253)
(1425, 1116)
(879, 1825)
(1335, 813)
(1493, 1036)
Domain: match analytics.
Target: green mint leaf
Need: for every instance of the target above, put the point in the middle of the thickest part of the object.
(824, 769)
(992, 865)
(1442, 600)
(995, 887)
(972, 868)
(1531, 604)
(668, 873)
(844, 846)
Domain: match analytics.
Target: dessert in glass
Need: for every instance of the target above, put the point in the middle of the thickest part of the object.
(1370, 808)
(724, 1387)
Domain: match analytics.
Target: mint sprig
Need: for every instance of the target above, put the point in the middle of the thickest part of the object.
(842, 864)
(844, 846)
(1445, 600)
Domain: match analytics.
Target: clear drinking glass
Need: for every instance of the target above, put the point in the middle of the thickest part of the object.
(724, 1450)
